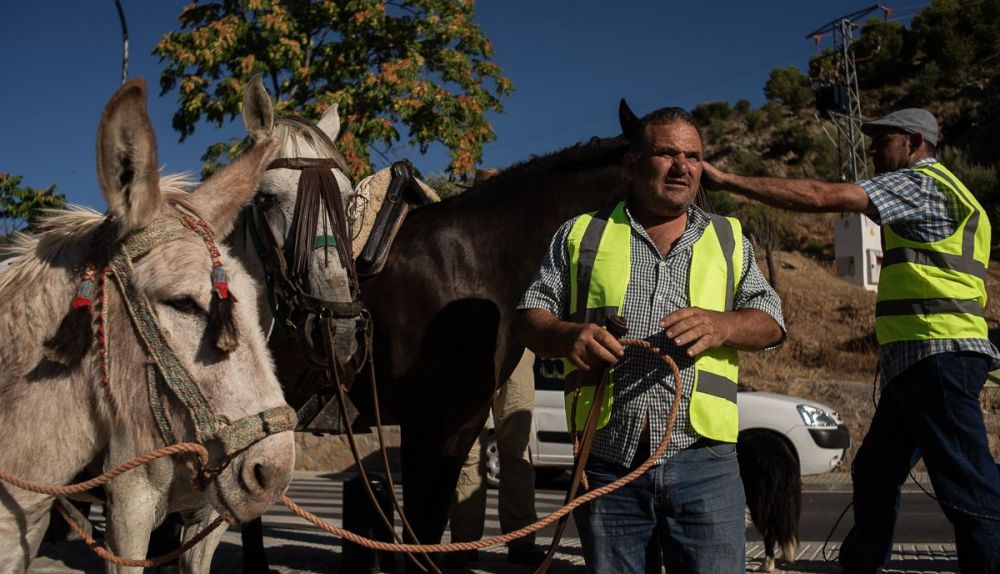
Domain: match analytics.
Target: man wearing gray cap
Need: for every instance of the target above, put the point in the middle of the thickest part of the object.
(935, 352)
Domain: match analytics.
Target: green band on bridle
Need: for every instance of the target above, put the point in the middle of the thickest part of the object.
(165, 370)
(324, 241)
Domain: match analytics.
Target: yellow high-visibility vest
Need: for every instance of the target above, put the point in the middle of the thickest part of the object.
(936, 290)
(600, 264)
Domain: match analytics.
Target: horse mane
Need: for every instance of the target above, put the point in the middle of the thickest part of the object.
(61, 230)
(596, 153)
(293, 129)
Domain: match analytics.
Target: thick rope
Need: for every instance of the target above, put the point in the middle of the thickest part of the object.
(141, 562)
(109, 475)
(536, 526)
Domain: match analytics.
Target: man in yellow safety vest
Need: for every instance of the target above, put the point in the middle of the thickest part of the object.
(935, 350)
(687, 281)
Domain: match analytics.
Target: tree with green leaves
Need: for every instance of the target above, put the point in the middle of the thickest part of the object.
(419, 64)
(21, 206)
(790, 87)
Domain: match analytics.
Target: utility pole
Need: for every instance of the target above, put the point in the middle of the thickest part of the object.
(858, 242)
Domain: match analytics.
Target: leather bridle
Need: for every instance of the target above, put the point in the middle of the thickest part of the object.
(296, 311)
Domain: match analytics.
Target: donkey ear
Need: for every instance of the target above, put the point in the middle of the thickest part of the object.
(330, 122)
(126, 158)
(631, 125)
(220, 199)
(258, 111)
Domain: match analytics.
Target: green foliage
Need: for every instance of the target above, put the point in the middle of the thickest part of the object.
(957, 34)
(982, 180)
(710, 112)
(790, 87)
(445, 185)
(791, 138)
(882, 53)
(722, 202)
(21, 206)
(766, 226)
(422, 64)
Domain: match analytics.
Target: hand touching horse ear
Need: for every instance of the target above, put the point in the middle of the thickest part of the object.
(153, 374)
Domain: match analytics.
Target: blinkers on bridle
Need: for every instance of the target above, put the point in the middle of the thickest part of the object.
(296, 311)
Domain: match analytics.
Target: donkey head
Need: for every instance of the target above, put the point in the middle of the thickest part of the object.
(207, 319)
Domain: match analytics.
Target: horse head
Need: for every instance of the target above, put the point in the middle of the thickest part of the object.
(300, 232)
(178, 356)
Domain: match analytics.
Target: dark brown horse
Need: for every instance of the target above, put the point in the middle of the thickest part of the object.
(444, 304)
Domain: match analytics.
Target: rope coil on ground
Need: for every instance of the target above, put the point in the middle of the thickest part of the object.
(542, 523)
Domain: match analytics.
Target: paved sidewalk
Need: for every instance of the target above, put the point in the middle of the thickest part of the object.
(295, 546)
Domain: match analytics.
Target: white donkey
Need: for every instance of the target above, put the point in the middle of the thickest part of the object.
(177, 355)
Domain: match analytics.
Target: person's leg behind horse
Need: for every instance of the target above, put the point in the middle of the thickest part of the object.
(947, 421)
(700, 502)
(468, 508)
(615, 529)
(512, 408)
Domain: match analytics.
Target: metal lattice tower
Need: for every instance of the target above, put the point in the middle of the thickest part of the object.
(845, 114)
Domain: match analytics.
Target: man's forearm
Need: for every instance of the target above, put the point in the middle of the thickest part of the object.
(542, 332)
(752, 330)
(798, 194)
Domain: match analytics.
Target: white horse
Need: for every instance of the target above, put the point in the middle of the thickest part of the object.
(316, 264)
(179, 355)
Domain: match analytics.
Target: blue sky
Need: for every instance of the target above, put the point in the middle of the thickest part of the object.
(569, 61)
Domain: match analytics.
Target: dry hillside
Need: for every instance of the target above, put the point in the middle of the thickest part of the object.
(830, 354)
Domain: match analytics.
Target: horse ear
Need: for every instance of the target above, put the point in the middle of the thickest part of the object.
(330, 122)
(126, 158)
(631, 124)
(220, 199)
(258, 111)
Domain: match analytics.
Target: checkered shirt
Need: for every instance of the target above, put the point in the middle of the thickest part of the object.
(657, 286)
(910, 202)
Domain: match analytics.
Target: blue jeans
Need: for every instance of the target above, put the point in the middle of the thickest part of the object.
(930, 410)
(694, 502)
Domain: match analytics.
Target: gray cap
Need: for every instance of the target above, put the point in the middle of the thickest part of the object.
(909, 120)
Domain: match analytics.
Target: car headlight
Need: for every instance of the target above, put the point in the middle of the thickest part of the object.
(814, 416)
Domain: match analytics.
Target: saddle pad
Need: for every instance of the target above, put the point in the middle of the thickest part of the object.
(373, 189)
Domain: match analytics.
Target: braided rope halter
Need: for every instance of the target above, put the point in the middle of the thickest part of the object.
(164, 369)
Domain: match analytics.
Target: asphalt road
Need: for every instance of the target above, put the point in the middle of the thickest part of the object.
(924, 539)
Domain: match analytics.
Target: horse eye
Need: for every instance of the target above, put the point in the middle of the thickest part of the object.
(184, 305)
(265, 201)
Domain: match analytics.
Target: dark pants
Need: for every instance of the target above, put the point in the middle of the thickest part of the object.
(930, 410)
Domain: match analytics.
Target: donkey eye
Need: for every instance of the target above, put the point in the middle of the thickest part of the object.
(184, 304)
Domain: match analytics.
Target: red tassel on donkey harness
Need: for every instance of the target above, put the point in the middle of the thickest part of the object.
(75, 334)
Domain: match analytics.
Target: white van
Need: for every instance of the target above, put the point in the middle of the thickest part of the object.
(813, 430)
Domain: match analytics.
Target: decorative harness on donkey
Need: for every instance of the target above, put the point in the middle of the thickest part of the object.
(164, 370)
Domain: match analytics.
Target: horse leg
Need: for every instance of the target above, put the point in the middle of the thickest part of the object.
(254, 557)
(431, 462)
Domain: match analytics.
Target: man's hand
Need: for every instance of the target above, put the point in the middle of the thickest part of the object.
(699, 328)
(591, 345)
(712, 177)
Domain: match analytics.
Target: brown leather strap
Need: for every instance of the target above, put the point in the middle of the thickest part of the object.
(303, 163)
(616, 326)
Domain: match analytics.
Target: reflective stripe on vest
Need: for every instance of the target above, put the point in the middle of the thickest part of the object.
(718, 254)
(598, 247)
(936, 290)
(600, 264)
